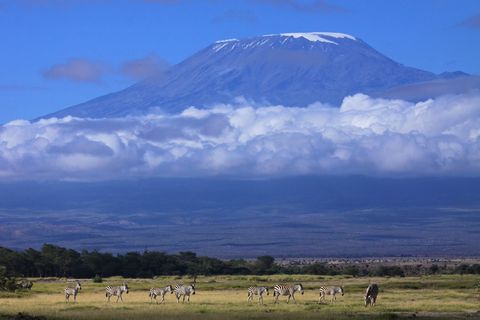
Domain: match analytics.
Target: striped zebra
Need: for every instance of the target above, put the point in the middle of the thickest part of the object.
(72, 292)
(330, 291)
(287, 290)
(154, 292)
(478, 290)
(257, 291)
(116, 291)
(371, 295)
(185, 291)
(25, 284)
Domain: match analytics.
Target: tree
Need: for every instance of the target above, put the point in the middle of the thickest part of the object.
(264, 265)
(433, 269)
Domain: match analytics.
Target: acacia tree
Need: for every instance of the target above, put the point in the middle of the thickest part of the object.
(264, 265)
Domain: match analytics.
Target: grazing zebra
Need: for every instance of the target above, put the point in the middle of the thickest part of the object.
(72, 292)
(116, 291)
(259, 291)
(25, 284)
(154, 292)
(185, 291)
(478, 289)
(287, 290)
(332, 291)
(371, 295)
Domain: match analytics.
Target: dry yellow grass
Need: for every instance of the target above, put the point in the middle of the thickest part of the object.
(441, 297)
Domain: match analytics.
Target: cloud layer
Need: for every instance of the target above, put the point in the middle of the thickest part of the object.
(364, 136)
(85, 70)
(81, 70)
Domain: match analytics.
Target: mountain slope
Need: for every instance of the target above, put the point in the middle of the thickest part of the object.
(293, 69)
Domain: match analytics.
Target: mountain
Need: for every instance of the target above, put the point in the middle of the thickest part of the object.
(292, 69)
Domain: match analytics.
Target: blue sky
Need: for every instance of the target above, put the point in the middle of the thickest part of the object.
(109, 41)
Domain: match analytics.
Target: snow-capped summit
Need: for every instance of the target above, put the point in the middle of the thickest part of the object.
(310, 36)
(292, 69)
(226, 40)
(317, 36)
(283, 39)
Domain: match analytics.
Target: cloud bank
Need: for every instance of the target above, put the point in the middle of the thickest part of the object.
(88, 71)
(81, 70)
(364, 136)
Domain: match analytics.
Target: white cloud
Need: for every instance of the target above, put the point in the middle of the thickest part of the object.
(363, 136)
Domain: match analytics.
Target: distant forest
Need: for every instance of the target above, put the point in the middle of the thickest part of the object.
(55, 261)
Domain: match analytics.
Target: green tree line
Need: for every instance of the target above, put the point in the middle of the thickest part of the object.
(55, 261)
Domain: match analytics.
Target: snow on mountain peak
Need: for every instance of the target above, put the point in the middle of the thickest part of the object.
(317, 36)
(226, 40)
(327, 37)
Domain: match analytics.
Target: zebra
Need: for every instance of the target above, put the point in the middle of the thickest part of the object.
(332, 291)
(371, 295)
(116, 291)
(72, 292)
(287, 290)
(260, 291)
(154, 292)
(185, 291)
(478, 289)
(25, 284)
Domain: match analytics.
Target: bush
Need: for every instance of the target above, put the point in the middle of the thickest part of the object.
(467, 269)
(7, 283)
(434, 269)
(389, 271)
(97, 279)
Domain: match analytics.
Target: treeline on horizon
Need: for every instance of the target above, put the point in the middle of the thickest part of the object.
(55, 261)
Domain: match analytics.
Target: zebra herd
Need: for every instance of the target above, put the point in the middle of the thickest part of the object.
(185, 291)
(180, 291)
(370, 297)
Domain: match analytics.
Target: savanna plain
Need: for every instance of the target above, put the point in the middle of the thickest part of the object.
(225, 297)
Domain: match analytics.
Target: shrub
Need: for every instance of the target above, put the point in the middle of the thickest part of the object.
(389, 271)
(97, 279)
(6, 283)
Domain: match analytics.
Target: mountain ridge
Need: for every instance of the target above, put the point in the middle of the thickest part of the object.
(291, 69)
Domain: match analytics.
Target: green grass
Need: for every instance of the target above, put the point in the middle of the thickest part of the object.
(224, 297)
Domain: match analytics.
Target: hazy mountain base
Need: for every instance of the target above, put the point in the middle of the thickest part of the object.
(329, 216)
(254, 231)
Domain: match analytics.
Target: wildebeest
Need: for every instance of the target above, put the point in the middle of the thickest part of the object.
(371, 295)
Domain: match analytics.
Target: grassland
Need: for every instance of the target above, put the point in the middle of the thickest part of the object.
(224, 297)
